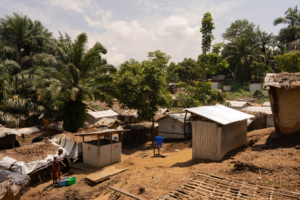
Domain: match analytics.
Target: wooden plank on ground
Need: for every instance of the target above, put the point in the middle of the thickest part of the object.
(105, 174)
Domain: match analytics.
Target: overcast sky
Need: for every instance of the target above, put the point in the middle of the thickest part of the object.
(132, 28)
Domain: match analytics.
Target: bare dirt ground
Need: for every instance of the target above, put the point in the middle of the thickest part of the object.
(267, 160)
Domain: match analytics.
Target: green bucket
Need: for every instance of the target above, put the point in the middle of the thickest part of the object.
(72, 180)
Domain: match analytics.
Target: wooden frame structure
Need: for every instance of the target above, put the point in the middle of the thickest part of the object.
(100, 153)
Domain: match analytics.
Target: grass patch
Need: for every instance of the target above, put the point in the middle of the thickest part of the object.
(176, 109)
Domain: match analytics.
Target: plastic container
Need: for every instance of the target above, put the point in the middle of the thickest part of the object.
(62, 181)
(158, 141)
(72, 180)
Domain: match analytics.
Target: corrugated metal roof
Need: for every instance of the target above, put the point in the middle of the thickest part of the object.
(220, 114)
(262, 109)
(105, 113)
(237, 103)
(180, 116)
(266, 104)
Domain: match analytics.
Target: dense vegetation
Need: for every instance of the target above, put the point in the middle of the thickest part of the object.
(54, 75)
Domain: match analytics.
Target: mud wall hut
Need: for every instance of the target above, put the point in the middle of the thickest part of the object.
(217, 130)
(284, 95)
(263, 117)
(8, 138)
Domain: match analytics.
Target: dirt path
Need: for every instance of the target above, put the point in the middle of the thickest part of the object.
(152, 177)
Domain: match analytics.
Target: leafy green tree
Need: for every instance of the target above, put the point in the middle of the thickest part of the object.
(201, 93)
(242, 50)
(184, 71)
(240, 28)
(257, 68)
(216, 48)
(78, 74)
(288, 62)
(206, 30)
(264, 39)
(211, 65)
(21, 33)
(142, 85)
(292, 19)
(172, 75)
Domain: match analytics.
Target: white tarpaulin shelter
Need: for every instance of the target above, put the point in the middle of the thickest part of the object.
(31, 167)
(29, 130)
(172, 126)
(74, 149)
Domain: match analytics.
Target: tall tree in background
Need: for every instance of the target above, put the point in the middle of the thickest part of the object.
(243, 51)
(206, 30)
(240, 28)
(292, 19)
(142, 86)
(79, 74)
(21, 33)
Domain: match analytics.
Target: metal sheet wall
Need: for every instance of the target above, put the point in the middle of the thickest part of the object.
(213, 142)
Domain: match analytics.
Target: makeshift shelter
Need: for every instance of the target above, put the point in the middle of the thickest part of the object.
(11, 183)
(217, 130)
(103, 152)
(34, 160)
(238, 105)
(263, 117)
(8, 138)
(107, 122)
(284, 95)
(139, 133)
(94, 117)
(172, 126)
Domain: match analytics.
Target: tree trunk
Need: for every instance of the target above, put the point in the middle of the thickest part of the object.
(152, 131)
(19, 55)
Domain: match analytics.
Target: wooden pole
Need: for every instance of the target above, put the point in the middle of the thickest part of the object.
(185, 136)
(126, 193)
(82, 139)
(98, 140)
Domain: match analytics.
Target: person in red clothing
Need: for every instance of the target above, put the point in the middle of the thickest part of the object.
(55, 171)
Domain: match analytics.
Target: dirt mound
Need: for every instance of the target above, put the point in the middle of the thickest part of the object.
(242, 166)
(171, 147)
(32, 152)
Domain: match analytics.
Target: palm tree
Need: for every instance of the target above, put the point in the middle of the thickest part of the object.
(22, 33)
(242, 50)
(73, 73)
(264, 39)
(292, 19)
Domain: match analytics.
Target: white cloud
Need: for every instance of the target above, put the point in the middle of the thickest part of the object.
(69, 5)
(91, 22)
(115, 49)
(115, 58)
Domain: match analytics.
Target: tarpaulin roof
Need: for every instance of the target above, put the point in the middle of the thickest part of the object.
(180, 116)
(220, 114)
(105, 113)
(106, 122)
(8, 131)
